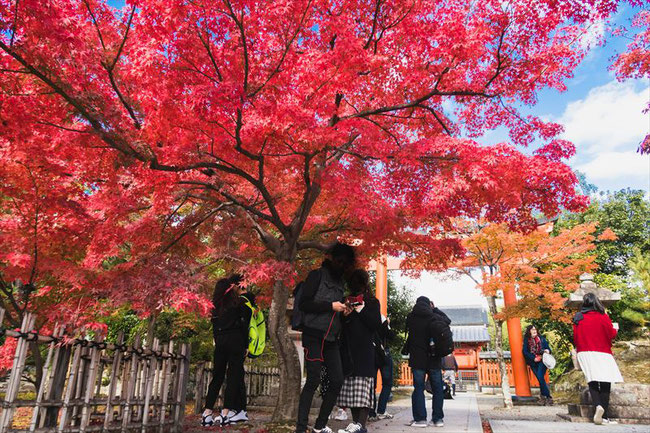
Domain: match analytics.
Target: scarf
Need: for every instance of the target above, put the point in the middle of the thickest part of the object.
(581, 314)
(535, 345)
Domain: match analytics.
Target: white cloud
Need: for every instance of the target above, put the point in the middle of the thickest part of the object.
(612, 166)
(609, 118)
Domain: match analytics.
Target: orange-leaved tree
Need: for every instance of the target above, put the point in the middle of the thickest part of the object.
(541, 268)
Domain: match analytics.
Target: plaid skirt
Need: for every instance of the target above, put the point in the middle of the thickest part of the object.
(357, 392)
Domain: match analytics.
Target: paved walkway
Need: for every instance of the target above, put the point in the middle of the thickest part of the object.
(509, 426)
(462, 416)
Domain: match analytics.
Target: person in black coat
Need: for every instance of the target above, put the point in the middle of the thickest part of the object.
(230, 321)
(421, 327)
(322, 304)
(361, 322)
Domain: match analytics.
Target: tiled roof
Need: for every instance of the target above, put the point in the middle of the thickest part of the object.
(493, 355)
(466, 315)
(470, 334)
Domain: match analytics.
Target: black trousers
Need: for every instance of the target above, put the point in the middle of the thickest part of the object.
(317, 354)
(229, 357)
(600, 395)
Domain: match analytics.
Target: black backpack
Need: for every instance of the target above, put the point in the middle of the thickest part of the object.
(297, 316)
(443, 338)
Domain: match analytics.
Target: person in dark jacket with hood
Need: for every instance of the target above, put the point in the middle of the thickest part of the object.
(535, 345)
(230, 319)
(421, 327)
(360, 323)
(322, 303)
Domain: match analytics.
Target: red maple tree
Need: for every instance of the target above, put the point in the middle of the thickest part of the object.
(250, 134)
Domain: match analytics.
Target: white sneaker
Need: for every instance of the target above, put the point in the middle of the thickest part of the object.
(598, 416)
(325, 429)
(439, 423)
(609, 421)
(240, 416)
(207, 420)
(385, 415)
(341, 415)
(351, 428)
(419, 424)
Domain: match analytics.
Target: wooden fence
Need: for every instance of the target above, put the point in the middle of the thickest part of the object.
(92, 386)
(261, 384)
(489, 375)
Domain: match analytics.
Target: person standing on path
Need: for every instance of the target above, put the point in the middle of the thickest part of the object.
(422, 329)
(361, 321)
(383, 338)
(321, 303)
(593, 333)
(450, 370)
(535, 346)
(230, 320)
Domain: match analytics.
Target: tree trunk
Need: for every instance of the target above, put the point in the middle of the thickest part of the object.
(498, 342)
(38, 364)
(286, 408)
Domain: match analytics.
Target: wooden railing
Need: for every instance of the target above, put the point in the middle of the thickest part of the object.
(488, 374)
(259, 382)
(91, 386)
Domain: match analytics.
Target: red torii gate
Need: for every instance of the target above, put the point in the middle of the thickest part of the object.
(522, 386)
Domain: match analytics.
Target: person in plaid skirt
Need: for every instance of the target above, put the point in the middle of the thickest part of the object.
(362, 319)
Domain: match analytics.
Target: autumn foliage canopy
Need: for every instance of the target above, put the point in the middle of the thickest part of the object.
(144, 146)
(541, 268)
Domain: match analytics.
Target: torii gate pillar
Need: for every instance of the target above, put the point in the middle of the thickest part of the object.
(522, 386)
(381, 284)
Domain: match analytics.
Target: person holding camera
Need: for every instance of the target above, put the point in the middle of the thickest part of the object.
(362, 319)
(423, 325)
(593, 335)
(321, 303)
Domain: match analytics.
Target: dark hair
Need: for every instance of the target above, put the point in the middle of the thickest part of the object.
(527, 335)
(225, 296)
(359, 282)
(590, 302)
(343, 255)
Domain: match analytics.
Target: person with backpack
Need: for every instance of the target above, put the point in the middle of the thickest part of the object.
(535, 346)
(593, 334)
(320, 306)
(230, 327)
(429, 340)
(361, 321)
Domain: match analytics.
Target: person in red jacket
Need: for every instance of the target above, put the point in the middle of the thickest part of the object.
(593, 333)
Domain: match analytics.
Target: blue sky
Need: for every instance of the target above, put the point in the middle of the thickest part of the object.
(603, 117)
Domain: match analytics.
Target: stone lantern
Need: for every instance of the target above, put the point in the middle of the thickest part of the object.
(587, 285)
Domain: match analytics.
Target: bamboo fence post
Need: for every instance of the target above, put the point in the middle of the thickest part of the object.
(148, 389)
(181, 375)
(198, 394)
(167, 367)
(95, 355)
(48, 368)
(13, 386)
(57, 384)
(115, 368)
(72, 378)
(130, 384)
